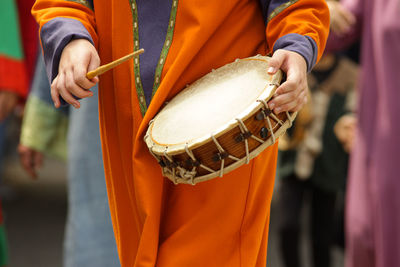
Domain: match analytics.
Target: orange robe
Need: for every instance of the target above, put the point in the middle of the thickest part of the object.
(222, 222)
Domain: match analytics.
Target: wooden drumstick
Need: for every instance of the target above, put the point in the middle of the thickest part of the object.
(100, 70)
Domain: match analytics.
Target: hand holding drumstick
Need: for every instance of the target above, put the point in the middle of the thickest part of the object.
(102, 69)
(72, 80)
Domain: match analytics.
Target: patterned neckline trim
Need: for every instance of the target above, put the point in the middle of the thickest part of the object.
(163, 55)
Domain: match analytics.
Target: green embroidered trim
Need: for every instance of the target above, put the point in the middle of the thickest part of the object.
(44, 128)
(280, 8)
(136, 65)
(163, 55)
(84, 3)
(167, 45)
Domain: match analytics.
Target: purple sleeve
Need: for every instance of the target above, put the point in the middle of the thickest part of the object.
(55, 35)
(304, 45)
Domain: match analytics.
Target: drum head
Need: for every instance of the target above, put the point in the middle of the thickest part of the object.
(215, 100)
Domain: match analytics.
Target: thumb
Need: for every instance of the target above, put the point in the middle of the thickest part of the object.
(94, 63)
(275, 61)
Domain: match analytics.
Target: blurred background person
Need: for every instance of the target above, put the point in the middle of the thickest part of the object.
(313, 161)
(315, 155)
(89, 239)
(17, 41)
(373, 197)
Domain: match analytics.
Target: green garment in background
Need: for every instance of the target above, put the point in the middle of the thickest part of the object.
(3, 247)
(10, 40)
(44, 128)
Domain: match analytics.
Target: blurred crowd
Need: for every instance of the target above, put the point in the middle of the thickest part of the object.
(338, 158)
(66, 133)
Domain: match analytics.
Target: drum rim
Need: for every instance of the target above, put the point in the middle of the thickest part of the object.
(176, 149)
(235, 165)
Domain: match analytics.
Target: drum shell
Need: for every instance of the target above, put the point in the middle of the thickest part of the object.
(228, 147)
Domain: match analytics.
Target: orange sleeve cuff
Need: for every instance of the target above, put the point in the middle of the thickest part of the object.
(46, 10)
(304, 17)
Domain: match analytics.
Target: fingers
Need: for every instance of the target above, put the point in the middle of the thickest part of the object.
(8, 101)
(71, 83)
(292, 101)
(64, 92)
(341, 18)
(26, 156)
(344, 130)
(74, 84)
(341, 25)
(93, 64)
(292, 94)
(293, 81)
(55, 96)
(38, 160)
(275, 63)
(347, 16)
(78, 77)
(3, 109)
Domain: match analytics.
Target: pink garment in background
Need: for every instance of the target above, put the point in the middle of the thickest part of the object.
(373, 196)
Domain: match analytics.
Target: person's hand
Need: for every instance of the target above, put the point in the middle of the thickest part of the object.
(344, 130)
(341, 19)
(8, 101)
(77, 58)
(31, 160)
(292, 94)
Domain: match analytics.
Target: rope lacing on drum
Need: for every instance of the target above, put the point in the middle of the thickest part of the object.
(290, 118)
(241, 124)
(244, 130)
(154, 155)
(193, 158)
(172, 164)
(187, 175)
(276, 119)
(271, 129)
(271, 114)
(257, 139)
(190, 174)
(222, 152)
(221, 173)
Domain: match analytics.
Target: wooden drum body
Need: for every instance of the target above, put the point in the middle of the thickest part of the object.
(218, 123)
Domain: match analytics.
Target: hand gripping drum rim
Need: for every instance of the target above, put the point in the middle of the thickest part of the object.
(180, 162)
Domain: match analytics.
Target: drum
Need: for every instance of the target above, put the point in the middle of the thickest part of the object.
(218, 123)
